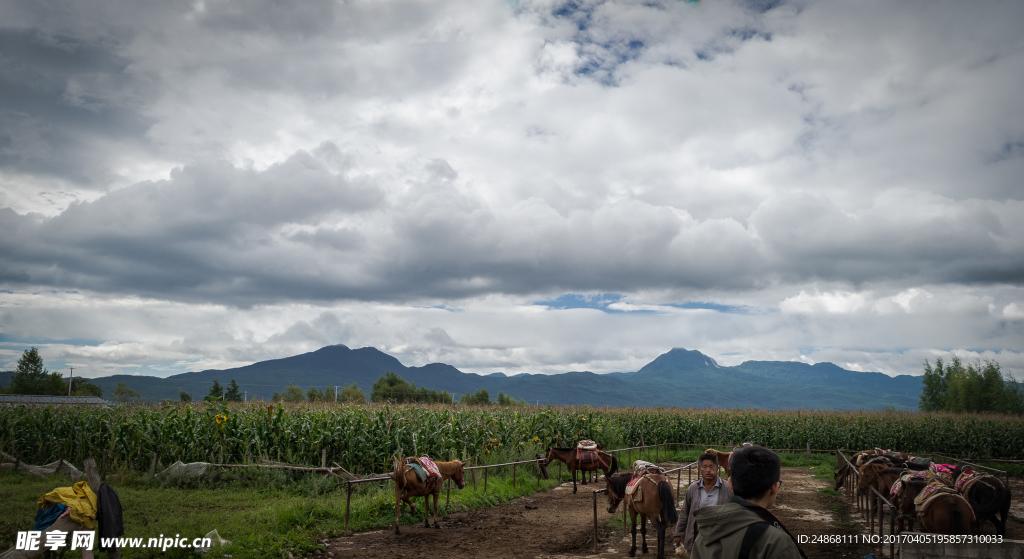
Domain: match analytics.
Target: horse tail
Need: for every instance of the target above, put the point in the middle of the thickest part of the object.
(668, 503)
(614, 467)
(955, 520)
(399, 473)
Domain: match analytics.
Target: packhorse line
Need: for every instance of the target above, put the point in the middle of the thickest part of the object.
(934, 497)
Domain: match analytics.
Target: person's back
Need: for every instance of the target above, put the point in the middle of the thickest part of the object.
(743, 527)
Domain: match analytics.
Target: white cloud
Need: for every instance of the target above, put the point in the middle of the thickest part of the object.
(846, 173)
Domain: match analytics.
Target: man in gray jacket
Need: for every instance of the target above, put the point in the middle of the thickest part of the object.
(744, 528)
(709, 490)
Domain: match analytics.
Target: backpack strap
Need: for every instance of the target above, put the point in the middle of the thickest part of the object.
(754, 533)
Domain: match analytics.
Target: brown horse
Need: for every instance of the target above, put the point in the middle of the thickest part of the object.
(879, 476)
(658, 505)
(904, 502)
(407, 484)
(988, 497)
(599, 460)
(947, 514)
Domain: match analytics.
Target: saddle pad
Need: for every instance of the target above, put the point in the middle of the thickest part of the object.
(967, 480)
(897, 487)
(943, 472)
(920, 460)
(430, 466)
(923, 501)
(422, 475)
(634, 490)
(930, 491)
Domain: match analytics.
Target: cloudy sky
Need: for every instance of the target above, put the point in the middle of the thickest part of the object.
(518, 186)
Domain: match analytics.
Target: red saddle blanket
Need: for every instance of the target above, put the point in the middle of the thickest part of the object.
(634, 489)
(590, 456)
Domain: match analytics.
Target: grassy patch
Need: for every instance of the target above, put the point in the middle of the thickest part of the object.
(828, 491)
(264, 513)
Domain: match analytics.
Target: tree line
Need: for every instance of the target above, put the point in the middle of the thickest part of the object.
(32, 378)
(974, 387)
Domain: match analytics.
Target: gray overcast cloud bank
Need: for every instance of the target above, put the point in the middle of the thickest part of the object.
(820, 165)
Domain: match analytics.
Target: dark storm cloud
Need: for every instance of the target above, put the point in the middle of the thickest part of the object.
(59, 96)
(299, 231)
(211, 230)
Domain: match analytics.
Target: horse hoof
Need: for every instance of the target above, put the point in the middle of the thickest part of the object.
(632, 553)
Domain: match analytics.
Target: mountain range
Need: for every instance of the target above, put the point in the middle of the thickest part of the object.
(679, 378)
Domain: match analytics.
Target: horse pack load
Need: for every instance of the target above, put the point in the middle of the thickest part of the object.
(641, 469)
(587, 451)
(424, 467)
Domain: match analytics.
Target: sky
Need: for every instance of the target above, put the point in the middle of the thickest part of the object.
(517, 186)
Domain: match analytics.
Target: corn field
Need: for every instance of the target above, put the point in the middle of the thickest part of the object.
(363, 439)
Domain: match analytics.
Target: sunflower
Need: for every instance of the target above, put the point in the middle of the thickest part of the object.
(220, 418)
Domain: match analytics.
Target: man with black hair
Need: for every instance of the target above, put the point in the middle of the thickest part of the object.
(743, 528)
(709, 490)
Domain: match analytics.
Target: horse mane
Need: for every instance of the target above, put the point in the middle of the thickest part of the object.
(449, 468)
(560, 449)
(619, 481)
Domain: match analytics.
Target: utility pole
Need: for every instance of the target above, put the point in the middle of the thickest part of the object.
(335, 394)
(70, 380)
(245, 396)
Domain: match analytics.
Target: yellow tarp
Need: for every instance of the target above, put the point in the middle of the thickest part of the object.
(79, 498)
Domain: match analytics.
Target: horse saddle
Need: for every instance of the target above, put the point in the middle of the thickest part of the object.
(931, 492)
(587, 456)
(634, 489)
(423, 466)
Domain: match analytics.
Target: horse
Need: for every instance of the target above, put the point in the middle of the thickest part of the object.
(879, 476)
(904, 502)
(600, 460)
(947, 514)
(659, 506)
(407, 484)
(988, 497)
(723, 459)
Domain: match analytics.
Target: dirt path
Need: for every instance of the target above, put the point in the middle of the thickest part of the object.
(559, 525)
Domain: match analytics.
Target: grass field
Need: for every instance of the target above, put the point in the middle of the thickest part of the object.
(267, 513)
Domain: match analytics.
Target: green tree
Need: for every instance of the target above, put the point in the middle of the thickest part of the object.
(184, 396)
(973, 387)
(83, 387)
(933, 387)
(352, 394)
(478, 398)
(393, 388)
(123, 394)
(232, 394)
(291, 393)
(31, 378)
(216, 392)
(505, 399)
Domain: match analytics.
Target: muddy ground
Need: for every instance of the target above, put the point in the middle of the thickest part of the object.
(559, 525)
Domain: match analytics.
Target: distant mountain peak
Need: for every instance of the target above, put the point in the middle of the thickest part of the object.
(679, 360)
(498, 374)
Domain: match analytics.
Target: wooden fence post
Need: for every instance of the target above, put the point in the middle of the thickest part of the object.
(323, 458)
